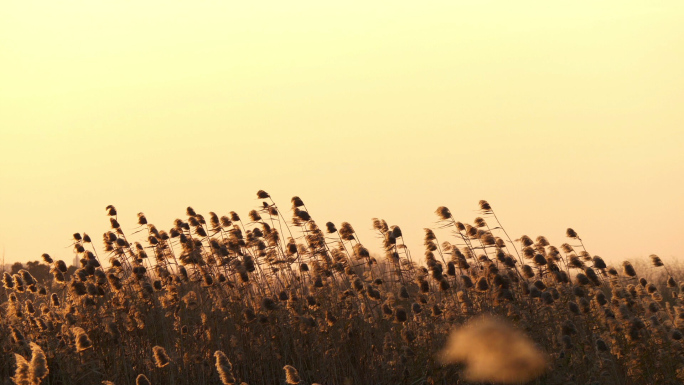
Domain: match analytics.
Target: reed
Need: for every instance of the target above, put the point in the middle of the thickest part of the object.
(216, 300)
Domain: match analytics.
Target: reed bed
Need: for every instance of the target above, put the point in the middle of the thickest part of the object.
(277, 298)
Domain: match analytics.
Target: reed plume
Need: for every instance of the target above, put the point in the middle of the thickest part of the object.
(22, 375)
(494, 351)
(81, 340)
(224, 368)
(160, 357)
(291, 375)
(142, 380)
(38, 368)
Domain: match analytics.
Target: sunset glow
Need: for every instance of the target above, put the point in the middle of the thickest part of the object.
(560, 114)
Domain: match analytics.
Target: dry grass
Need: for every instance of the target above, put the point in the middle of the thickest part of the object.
(276, 300)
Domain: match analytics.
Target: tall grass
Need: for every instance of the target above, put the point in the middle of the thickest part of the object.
(276, 299)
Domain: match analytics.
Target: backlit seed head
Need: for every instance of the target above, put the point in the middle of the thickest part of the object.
(142, 380)
(224, 368)
(160, 357)
(82, 341)
(38, 368)
(443, 213)
(22, 375)
(111, 211)
(628, 269)
(656, 261)
(494, 351)
(291, 375)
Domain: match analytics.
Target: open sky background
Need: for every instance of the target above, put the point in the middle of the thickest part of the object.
(559, 113)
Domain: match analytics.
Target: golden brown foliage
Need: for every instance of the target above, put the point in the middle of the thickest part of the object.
(280, 292)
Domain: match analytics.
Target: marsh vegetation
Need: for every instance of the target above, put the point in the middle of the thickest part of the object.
(277, 297)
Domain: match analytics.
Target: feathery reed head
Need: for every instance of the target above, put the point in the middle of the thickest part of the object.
(443, 213)
(628, 269)
(22, 375)
(346, 231)
(81, 339)
(38, 368)
(7, 281)
(526, 241)
(656, 261)
(160, 357)
(142, 220)
(224, 368)
(46, 258)
(142, 380)
(296, 202)
(494, 351)
(542, 241)
(291, 375)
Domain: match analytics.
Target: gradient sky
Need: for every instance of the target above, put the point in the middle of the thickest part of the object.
(559, 113)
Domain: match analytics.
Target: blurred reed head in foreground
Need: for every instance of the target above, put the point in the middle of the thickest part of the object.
(494, 351)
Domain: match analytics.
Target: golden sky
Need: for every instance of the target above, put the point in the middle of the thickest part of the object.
(559, 113)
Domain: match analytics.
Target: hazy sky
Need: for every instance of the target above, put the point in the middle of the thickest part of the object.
(559, 113)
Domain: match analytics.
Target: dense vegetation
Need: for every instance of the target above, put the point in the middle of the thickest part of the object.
(271, 300)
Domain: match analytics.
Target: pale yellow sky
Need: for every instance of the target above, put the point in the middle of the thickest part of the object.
(560, 113)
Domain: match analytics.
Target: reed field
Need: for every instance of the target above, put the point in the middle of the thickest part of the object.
(274, 297)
